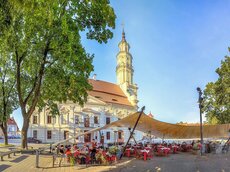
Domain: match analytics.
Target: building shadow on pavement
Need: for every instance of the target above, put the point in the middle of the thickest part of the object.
(19, 159)
(3, 167)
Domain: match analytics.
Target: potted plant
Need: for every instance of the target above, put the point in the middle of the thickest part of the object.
(100, 158)
(113, 150)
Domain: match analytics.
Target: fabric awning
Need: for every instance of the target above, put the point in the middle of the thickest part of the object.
(167, 130)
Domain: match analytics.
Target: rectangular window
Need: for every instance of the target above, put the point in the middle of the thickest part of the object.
(95, 119)
(86, 122)
(108, 135)
(76, 119)
(63, 119)
(107, 120)
(66, 135)
(35, 134)
(49, 119)
(35, 119)
(54, 119)
(119, 135)
(49, 134)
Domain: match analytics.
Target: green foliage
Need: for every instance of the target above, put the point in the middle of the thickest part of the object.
(42, 39)
(113, 150)
(100, 158)
(217, 95)
(8, 96)
(5, 17)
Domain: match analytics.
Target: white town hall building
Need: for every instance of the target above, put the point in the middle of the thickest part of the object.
(107, 102)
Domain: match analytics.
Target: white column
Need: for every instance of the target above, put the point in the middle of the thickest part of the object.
(39, 118)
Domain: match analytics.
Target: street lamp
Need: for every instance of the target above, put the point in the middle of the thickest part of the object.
(115, 137)
(102, 139)
(200, 100)
(149, 134)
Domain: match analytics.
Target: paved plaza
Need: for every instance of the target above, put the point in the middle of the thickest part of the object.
(182, 162)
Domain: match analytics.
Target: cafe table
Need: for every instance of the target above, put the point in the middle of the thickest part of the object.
(145, 153)
(165, 150)
(175, 148)
(128, 152)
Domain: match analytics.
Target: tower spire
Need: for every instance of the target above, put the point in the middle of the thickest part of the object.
(123, 32)
(124, 70)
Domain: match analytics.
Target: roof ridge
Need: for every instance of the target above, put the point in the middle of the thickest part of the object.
(110, 93)
(103, 81)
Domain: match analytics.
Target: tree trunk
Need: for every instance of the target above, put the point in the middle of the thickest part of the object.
(5, 135)
(3, 126)
(24, 133)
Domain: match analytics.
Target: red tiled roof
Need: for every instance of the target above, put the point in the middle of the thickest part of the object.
(11, 121)
(108, 92)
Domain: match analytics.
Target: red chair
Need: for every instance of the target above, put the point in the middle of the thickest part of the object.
(166, 151)
(87, 160)
(174, 149)
(68, 155)
(145, 155)
(127, 152)
(114, 158)
(104, 153)
(111, 159)
(159, 152)
(76, 154)
(150, 153)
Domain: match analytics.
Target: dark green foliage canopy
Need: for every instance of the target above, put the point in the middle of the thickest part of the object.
(42, 39)
(217, 95)
(8, 96)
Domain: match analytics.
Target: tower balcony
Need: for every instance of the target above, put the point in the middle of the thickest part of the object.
(125, 66)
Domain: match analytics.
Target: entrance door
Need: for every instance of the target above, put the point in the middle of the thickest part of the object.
(120, 138)
(87, 137)
(102, 140)
(66, 135)
(35, 134)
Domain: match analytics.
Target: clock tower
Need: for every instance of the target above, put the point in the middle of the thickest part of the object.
(124, 71)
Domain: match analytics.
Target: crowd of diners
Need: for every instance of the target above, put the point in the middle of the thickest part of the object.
(89, 153)
(94, 153)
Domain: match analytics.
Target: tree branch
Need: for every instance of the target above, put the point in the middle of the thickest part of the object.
(37, 90)
(18, 82)
(32, 90)
(11, 88)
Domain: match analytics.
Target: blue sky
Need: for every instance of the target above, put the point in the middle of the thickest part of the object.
(176, 46)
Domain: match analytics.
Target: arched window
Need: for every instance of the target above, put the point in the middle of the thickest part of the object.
(86, 121)
(76, 119)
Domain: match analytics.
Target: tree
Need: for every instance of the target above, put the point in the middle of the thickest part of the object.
(217, 95)
(50, 62)
(8, 98)
(5, 17)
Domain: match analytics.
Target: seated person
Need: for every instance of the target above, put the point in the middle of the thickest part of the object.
(75, 148)
(85, 150)
(94, 143)
(62, 150)
(68, 152)
(82, 159)
(107, 152)
(93, 154)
